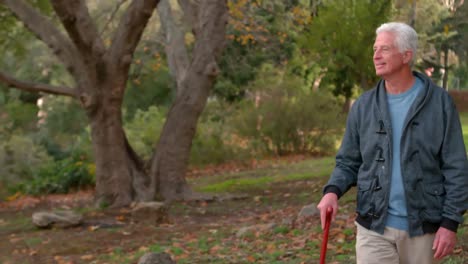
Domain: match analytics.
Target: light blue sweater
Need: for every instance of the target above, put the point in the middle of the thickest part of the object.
(399, 105)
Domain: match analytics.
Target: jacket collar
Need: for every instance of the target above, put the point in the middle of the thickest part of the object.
(421, 99)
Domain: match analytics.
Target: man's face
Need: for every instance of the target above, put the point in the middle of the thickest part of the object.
(388, 61)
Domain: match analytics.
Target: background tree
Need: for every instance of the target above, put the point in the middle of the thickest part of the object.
(100, 71)
(460, 24)
(440, 33)
(343, 47)
(444, 41)
(258, 32)
(195, 77)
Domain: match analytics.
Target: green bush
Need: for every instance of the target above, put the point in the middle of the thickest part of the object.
(284, 119)
(211, 144)
(207, 145)
(20, 159)
(141, 94)
(63, 117)
(26, 167)
(215, 141)
(144, 129)
(63, 127)
(63, 176)
(16, 116)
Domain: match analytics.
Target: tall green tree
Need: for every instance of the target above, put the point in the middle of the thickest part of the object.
(460, 23)
(258, 32)
(444, 41)
(340, 41)
(440, 33)
(100, 71)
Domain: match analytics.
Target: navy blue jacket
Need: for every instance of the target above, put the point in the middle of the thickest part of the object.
(433, 160)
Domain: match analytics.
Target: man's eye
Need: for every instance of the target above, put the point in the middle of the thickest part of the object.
(383, 49)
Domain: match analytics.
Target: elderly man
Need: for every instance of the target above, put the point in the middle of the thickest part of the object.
(403, 149)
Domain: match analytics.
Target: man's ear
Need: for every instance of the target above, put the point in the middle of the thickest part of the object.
(407, 56)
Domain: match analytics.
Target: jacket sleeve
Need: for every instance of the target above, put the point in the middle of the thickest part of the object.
(454, 168)
(348, 158)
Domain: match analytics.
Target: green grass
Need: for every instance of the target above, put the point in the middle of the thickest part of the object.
(21, 222)
(237, 184)
(33, 241)
(245, 181)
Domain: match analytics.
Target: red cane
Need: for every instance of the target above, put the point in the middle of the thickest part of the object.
(323, 251)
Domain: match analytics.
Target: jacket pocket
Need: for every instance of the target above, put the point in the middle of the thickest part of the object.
(364, 197)
(434, 196)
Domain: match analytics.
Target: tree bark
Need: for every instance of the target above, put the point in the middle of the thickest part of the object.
(36, 87)
(120, 174)
(412, 17)
(100, 74)
(445, 49)
(177, 56)
(169, 164)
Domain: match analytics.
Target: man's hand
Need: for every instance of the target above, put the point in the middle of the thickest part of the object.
(444, 242)
(328, 200)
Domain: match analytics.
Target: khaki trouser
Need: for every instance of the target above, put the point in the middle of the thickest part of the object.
(393, 247)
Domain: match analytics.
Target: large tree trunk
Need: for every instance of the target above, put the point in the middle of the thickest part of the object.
(112, 160)
(173, 150)
(169, 164)
(121, 175)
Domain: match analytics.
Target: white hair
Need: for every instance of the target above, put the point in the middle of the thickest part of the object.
(406, 37)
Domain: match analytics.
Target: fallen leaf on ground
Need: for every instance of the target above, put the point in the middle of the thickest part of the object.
(93, 228)
(87, 257)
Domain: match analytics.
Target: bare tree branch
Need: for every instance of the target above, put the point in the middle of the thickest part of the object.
(45, 30)
(177, 55)
(36, 87)
(80, 26)
(112, 16)
(190, 10)
(212, 20)
(129, 32)
(452, 4)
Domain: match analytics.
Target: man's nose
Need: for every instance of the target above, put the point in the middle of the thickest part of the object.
(377, 54)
